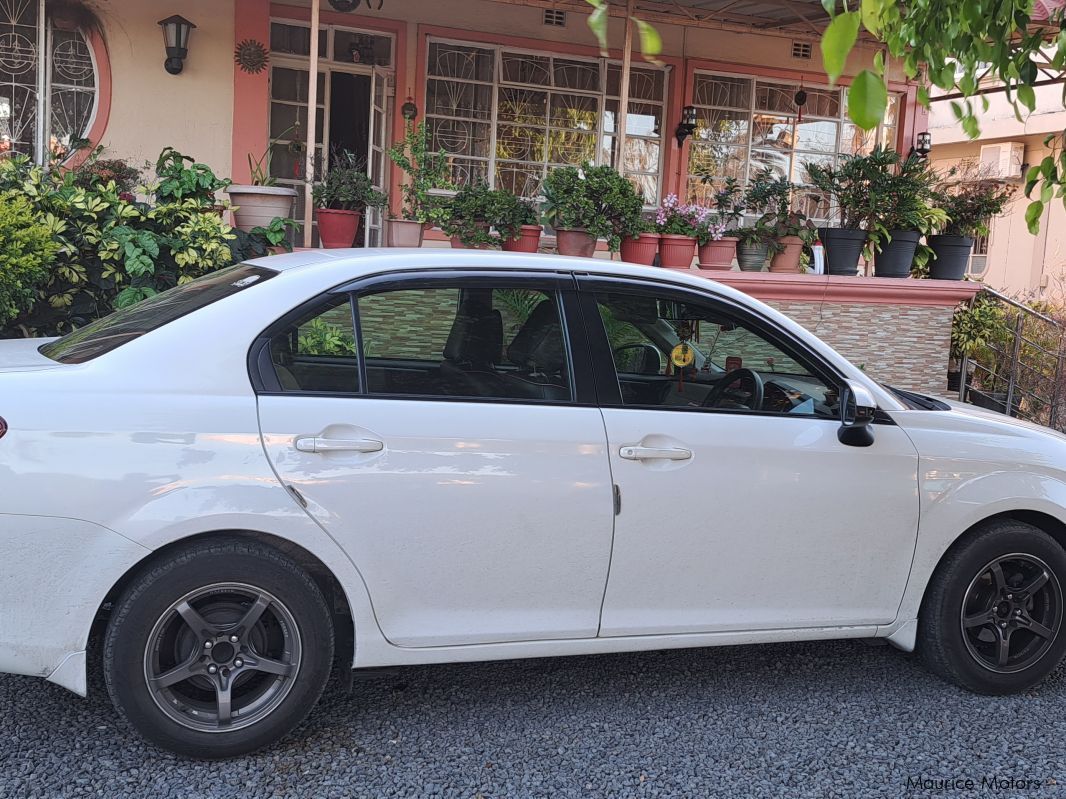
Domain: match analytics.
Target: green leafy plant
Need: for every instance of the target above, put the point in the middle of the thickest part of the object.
(755, 235)
(426, 171)
(27, 250)
(970, 202)
(96, 170)
(767, 193)
(347, 186)
(510, 212)
(319, 337)
(276, 234)
(592, 198)
(182, 178)
(112, 250)
(852, 185)
(791, 224)
(259, 168)
(677, 219)
(470, 214)
(728, 200)
(977, 326)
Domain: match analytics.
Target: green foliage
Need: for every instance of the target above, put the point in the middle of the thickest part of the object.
(728, 200)
(26, 252)
(426, 170)
(592, 198)
(791, 224)
(470, 214)
(971, 203)
(977, 326)
(319, 337)
(112, 251)
(182, 179)
(756, 234)
(97, 169)
(276, 234)
(347, 186)
(767, 193)
(651, 43)
(510, 212)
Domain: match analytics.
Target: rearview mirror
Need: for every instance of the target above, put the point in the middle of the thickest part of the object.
(857, 410)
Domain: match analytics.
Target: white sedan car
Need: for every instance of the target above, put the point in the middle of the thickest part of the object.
(394, 457)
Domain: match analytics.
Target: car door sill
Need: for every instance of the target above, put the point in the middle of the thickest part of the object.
(378, 652)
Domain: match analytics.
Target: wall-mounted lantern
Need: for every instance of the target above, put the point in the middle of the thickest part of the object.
(409, 110)
(687, 126)
(923, 145)
(176, 32)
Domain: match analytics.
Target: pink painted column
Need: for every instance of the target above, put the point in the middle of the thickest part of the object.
(251, 100)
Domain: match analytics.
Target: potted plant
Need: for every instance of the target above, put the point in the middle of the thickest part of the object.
(341, 198)
(754, 245)
(587, 203)
(791, 233)
(470, 215)
(426, 171)
(515, 219)
(716, 244)
(900, 197)
(969, 204)
(678, 225)
(257, 203)
(640, 243)
(978, 328)
(849, 186)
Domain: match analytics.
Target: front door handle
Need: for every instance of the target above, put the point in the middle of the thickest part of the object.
(316, 444)
(636, 453)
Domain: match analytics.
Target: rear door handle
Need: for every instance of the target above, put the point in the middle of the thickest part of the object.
(316, 444)
(636, 453)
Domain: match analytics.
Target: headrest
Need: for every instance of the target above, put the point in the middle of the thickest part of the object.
(476, 338)
(539, 344)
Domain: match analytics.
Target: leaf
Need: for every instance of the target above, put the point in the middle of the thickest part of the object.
(597, 23)
(1032, 216)
(838, 41)
(870, 10)
(830, 6)
(867, 100)
(1027, 97)
(651, 43)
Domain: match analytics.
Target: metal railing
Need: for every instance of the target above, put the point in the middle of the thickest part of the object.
(1022, 373)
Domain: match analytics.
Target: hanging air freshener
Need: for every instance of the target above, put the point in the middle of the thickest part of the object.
(682, 356)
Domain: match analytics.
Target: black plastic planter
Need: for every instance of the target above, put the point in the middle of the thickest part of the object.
(843, 246)
(994, 401)
(952, 257)
(897, 256)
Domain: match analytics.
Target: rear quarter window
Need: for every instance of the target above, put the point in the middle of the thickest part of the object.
(106, 334)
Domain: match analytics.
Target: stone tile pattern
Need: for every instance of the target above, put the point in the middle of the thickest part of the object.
(903, 345)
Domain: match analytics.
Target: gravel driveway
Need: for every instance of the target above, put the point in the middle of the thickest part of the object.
(828, 719)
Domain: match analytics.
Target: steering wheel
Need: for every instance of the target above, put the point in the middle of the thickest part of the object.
(719, 392)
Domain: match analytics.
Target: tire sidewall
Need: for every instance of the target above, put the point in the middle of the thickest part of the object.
(946, 613)
(137, 611)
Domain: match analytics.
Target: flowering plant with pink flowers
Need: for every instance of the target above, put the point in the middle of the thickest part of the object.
(676, 219)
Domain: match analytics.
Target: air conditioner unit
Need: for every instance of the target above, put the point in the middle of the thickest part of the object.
(1003, 160)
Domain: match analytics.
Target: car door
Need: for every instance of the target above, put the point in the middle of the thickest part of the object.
(734, 517)
(436, 426)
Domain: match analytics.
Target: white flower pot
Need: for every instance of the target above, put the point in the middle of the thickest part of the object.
(258, 206)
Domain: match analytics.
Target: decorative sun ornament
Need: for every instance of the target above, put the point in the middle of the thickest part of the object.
(251, 56)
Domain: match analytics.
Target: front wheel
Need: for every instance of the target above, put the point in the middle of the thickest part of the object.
(218, 650)
(992, 619)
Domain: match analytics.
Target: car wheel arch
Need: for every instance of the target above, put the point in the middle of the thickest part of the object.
(331, 587)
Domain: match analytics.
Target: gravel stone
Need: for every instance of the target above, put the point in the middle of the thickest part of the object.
(837, 719)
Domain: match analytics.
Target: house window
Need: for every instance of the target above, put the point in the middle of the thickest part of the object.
(47, 103)
(746, 124)
(505, 117)
(979, 255)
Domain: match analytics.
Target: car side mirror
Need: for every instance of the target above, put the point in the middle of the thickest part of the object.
(857, 410)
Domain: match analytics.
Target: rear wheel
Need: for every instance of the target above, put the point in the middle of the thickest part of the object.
(992, 619)
(218, 650)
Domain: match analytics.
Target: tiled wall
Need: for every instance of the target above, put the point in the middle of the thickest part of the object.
(902, 345)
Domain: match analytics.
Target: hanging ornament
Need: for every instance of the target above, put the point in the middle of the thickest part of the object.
(683, 356)
(800, 100)
(251, 56)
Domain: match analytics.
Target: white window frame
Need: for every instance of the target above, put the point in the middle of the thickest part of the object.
(600, 94)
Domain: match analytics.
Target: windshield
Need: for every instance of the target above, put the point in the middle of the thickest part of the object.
(112, 331)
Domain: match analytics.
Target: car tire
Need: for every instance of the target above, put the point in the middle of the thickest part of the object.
(218, 649)
(992, 617)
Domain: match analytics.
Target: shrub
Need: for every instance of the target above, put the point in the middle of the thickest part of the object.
(426, 170)
(592, 198)
(347, 186)
(111, 250)
(26, 251)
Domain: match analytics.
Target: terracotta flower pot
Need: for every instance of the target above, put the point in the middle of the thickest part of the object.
(404, 233)
(676, 252)
(337, 228)
(528, 240)
(717, 255)
(575, 241)
(459, 244)
(258, 206)
(640, 249)
(788, 260)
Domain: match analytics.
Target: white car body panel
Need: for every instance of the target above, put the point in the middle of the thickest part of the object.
(157, 441)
